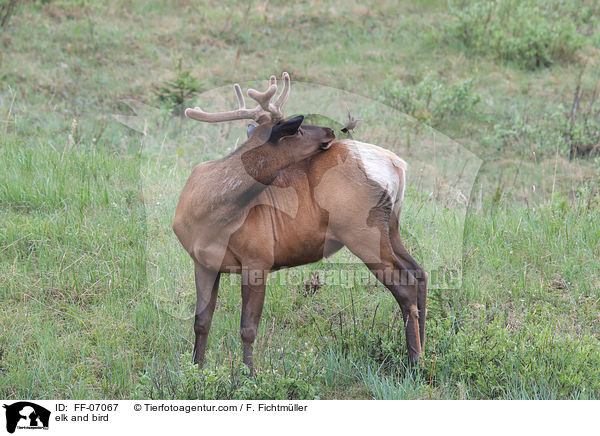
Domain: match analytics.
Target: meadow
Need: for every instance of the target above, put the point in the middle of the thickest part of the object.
(96, 294)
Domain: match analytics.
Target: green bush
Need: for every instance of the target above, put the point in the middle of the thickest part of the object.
(430, 101)
(532, 34)
(525, 135)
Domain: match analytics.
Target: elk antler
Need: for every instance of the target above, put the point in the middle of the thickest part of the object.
(265, 107)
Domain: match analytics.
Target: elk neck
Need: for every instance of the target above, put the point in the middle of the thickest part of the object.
(263, 162)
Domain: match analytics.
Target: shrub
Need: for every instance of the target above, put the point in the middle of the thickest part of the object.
(524, 135)
(532, 34)
(430, 101)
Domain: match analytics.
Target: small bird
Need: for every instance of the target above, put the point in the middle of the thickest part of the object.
(352, 122)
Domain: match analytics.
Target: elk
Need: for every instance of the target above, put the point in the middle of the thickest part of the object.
(291, 195)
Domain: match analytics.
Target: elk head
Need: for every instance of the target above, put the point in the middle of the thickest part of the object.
(274, 143)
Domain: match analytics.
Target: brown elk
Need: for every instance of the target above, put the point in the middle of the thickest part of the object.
(291, 195)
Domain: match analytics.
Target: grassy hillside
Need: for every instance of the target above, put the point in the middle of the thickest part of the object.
(96, 295)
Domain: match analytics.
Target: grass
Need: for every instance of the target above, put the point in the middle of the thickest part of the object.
(96, 295)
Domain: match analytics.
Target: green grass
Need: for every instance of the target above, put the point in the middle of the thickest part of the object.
(96, 294)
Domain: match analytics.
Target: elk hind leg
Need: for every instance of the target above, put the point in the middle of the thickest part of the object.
(385, 265)
(408, 263)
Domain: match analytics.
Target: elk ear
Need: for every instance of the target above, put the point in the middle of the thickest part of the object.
(251, 128)
(287, 128)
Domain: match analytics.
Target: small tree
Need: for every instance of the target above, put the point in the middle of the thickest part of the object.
(175, 93)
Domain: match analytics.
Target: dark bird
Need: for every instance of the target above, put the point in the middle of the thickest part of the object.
(352, 122)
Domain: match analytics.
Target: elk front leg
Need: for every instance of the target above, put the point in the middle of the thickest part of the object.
(422, 305)
(253, 299)
(207, 288)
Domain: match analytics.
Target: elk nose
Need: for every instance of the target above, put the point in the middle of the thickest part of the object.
(326, 143)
